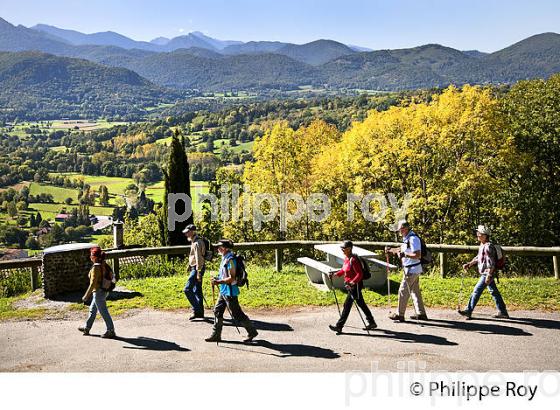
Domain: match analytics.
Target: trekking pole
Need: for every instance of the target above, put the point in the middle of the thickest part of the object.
(205, 302)
(214, 303)
(388, 283)
(335, 298)
(460, 298)
(358, 309)
(232, 318)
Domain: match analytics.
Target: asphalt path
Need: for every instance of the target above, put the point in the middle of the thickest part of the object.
(290, 340)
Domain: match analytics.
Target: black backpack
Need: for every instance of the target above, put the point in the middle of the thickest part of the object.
(365, 267)
(240, 271)
(426, 258)
(208, 252)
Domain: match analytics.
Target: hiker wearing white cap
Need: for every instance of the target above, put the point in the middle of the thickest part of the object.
(193, 287)
(410, 253)
(486, 261)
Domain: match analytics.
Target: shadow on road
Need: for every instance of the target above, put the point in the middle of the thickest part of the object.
(475, 326)
(540, 323)
(147, 343)
(76, 297)
(284, 350)
(403, 337)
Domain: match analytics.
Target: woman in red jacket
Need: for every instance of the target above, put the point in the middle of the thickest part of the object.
(353, 275)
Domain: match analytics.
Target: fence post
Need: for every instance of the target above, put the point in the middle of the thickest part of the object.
(556, 267)
(442, 264)
(34, 277)
(118, 231)
(278, 253)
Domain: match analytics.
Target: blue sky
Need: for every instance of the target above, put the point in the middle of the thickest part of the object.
(487, 25)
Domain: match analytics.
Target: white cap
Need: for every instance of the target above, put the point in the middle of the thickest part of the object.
(403, 223)
(483, 230)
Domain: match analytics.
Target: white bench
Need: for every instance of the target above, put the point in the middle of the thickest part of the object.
(377, 267)
(318, 271)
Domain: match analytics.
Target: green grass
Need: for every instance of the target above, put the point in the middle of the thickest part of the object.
(291, 288)
(59, 194)
(49, 211)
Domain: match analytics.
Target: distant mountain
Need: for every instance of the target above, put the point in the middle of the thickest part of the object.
(198, 61)
(254, 47)
(45, 86)
(107, 38)
(317, 52)
(217, 44)
(160, 41)
(184, 70)
(474, 53)
(358, 48)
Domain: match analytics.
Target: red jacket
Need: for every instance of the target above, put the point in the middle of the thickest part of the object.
(352, 270)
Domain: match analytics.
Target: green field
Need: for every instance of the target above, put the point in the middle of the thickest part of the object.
(54, 125)
(59, 194)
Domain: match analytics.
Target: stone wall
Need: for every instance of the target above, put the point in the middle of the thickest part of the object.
(65, 269)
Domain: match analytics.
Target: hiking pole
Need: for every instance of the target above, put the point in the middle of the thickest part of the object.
(214, 303)
(335, 298)
(232, 318)
(358, 309)
(388, 283)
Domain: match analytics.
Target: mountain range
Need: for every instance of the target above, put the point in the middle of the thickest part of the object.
(197, 61)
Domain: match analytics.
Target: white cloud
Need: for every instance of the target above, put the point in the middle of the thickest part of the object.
(181, 30)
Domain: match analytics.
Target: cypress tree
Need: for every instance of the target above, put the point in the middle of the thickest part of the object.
(177, 180)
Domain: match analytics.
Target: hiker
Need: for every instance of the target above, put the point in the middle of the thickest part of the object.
(229, 291)
(99, 270)
(410, 253)
(193, 287)
(486, 261)
(353, 275)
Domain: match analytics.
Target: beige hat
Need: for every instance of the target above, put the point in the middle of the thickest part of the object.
(484, 230)
(403, 223)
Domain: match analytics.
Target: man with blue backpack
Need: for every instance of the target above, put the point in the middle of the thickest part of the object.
(231, 276)
(413, 254)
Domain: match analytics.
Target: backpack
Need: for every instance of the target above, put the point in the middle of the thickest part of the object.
(500, 257)
(240, 271)
(109, 280)
(426, 258)
(365, 267)
(208, 252)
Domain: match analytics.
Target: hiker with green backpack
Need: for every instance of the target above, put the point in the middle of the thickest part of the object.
(231, 276)
(488, 262)
(410, 253)
(353, 272)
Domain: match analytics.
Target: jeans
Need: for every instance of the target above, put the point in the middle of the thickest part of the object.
(410, 287)
(354, 295)
(493, 289)
(193, 291)
(99, 303)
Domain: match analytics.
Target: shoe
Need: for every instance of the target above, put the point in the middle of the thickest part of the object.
(371, 325)
(84, 330)
(109, 334)
(196, 316)
(501, 315)
(419, 317)
(336, 329)
(466, 313)
(214, 337)
(396, 317)
(250, 336)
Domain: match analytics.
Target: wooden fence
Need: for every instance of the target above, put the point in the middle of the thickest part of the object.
(278, 247)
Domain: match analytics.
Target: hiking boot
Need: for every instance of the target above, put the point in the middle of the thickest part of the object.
(336, 329)
(109, 334)
(371, 325)
(396, 317)
(196, 316)
(216, 335)
(466, 313)
(84, 330)
(251, 331)
(419, 317)
(501, 315)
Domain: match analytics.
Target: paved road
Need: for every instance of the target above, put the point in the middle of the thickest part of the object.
(289, 340)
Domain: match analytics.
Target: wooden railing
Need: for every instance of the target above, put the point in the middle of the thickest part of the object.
(278, 247)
